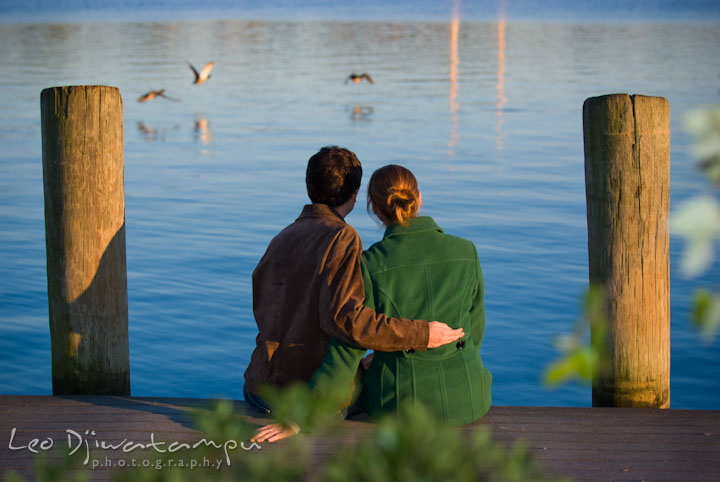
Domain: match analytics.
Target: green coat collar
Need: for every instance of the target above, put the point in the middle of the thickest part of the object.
(415, 225)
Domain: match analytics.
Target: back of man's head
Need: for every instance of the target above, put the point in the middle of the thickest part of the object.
(333, 175)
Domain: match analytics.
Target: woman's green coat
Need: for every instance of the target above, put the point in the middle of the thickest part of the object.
(419, 272)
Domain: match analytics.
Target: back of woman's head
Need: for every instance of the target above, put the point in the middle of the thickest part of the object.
(394, 192)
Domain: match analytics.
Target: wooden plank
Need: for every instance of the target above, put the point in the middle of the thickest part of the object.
(585, 443)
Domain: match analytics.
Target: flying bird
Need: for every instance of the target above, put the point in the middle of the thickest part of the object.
(204, 74)
(356, 79)
(154, 93)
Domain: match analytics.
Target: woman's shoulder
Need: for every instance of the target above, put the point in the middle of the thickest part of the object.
(455, 242)
(462, 243)
(375, 252)
(421, 246)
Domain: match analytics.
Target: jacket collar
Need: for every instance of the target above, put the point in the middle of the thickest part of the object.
(320, 211)
(417, 224)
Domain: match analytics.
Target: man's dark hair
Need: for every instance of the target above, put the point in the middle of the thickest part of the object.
(333, 175)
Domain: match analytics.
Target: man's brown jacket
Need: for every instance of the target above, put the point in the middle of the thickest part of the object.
(308, 288)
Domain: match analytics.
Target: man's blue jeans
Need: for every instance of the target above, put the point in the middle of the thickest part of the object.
(256, 402)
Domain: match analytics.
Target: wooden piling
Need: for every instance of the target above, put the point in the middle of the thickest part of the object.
(82, 149)
(627, 180)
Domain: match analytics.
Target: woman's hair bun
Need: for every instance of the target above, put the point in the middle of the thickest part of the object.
(393, 190)
(400, 196)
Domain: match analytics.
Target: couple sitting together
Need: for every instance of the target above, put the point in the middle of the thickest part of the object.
(320, 302)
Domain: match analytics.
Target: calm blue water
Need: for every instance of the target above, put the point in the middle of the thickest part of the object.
(490, 123)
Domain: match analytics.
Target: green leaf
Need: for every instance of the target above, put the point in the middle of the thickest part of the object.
(581, 359)
(577, 365)
(704, 125)
(706, 313)
(697, 220)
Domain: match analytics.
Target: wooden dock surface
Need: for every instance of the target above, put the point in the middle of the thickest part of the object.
(608, 444)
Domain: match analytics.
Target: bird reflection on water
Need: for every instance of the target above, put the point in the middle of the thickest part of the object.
(147, 132)
(202, 130)
(359, 112)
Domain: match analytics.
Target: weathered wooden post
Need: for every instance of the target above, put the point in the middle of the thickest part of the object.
(82, 148)
(627, 180)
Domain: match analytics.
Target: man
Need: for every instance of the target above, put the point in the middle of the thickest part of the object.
(308, 287)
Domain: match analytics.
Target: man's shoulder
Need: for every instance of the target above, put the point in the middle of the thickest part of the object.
(307, 225)
(315, 233)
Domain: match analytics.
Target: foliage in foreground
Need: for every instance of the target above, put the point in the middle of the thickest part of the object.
(697, 220)
(414, 447)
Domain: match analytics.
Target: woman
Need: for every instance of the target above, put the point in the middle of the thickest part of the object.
(418, 272)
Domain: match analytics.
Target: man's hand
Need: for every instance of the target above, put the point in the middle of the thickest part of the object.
(274, 432)
(442, 334)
